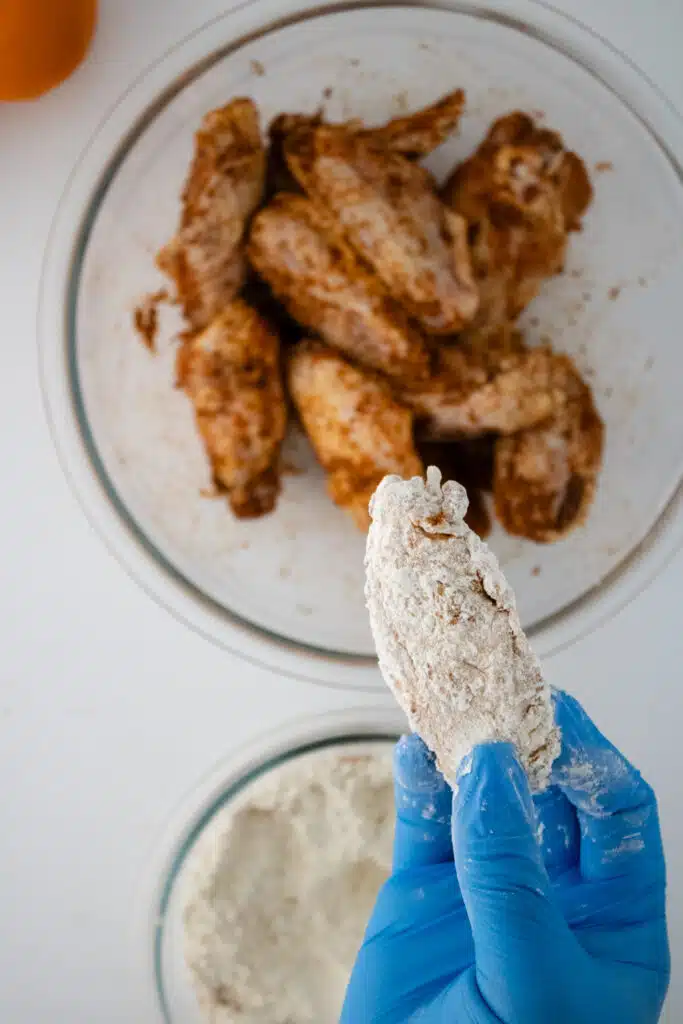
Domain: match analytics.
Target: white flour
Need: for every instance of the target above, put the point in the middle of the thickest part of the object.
(447, 632)
(281, 886)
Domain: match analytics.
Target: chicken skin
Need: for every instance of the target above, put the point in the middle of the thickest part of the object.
(298, 249)
(521, 193)
(545, 477)
(469, 395)
(231, 373)
(358, 430)
(205, 259)
(389, 211)
(416, 135)
(458, 369)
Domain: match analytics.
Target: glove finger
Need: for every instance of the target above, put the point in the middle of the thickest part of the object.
(517, 929)
(413, 947)
(423, 807)
(557, 831)
(616, 808)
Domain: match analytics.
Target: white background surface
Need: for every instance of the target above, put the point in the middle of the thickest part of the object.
(110, 712)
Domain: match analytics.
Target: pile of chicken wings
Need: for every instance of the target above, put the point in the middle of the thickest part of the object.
(326, 275)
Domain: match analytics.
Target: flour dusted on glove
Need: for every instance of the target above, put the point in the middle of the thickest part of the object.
(447, 632)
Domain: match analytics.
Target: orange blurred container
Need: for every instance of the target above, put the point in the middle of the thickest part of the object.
(41, 42)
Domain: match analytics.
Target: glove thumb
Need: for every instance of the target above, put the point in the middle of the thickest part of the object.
(517, 929)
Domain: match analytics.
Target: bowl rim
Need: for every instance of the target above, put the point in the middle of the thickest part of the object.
(144, 97)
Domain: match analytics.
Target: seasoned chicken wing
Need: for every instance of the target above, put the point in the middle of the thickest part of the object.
(468, 396)
(415, 135)
(521, 193)
(458, 371)
(205, 259)
(545, 477)
(358, 430)
(298, 249)
(231, 373)
(418, 134)
(388, 209)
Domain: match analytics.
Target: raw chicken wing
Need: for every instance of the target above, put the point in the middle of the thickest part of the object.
(467, 397)
(231, 373)
(298, 249)
(545, 477)
(521, 193)
(358, 430)
(418, 134)
(205, 259)
(414, 135)
(388, 209)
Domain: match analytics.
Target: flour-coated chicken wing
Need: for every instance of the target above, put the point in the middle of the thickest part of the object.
(205, 259)
(297, 248)
(449, 641)
(357, 428)
(231, 373)
(470, 463)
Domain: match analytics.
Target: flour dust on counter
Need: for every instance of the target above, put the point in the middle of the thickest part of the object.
(281, 886)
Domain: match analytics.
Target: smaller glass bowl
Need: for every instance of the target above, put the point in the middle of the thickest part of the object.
(360, 731)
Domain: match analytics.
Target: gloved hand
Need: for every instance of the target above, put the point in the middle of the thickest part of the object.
(551, 912)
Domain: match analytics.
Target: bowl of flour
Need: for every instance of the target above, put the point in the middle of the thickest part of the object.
(270, 892)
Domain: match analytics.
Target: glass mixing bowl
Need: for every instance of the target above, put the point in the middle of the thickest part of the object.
(287, 590)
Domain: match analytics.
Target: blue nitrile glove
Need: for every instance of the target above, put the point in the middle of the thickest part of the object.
(552, 914)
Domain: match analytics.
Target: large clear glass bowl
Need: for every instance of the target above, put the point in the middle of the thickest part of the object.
(287, 590)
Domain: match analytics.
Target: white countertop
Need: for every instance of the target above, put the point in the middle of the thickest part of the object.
(110, 711)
